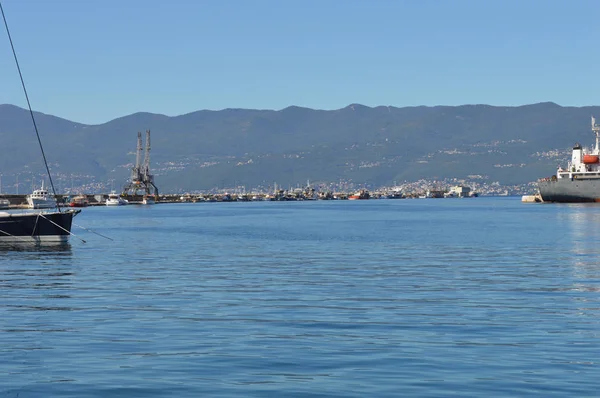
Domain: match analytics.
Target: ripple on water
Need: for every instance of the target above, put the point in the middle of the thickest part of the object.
(380, 298)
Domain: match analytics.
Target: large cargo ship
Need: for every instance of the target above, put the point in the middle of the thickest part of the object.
(580, 180)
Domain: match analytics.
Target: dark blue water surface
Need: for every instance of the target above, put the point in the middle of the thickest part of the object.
(379, 298)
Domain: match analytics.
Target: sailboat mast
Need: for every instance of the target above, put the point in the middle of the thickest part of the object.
(28, 103)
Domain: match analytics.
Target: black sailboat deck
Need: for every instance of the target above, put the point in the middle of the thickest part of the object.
(39, 226)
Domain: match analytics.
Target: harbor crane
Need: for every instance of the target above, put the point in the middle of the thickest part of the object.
(141, 178)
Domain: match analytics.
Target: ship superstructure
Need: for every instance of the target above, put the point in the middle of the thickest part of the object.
(580, 180)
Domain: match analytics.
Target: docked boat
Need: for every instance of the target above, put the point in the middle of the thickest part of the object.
(79, 201)
(4, 204)
(115, 200)
(394, 194)
(579, 181)
(362, 194)
(41, 199)
(148, 200)
(187, 198)
(36, 226)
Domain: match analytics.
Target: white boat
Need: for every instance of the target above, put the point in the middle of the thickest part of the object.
(115, 200)
(4, 204)
(185, 198)
(148, 200)
(41, 199)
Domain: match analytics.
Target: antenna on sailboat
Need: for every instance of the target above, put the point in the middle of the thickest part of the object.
(29, 104)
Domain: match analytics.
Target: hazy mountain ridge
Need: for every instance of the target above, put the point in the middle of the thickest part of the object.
(375, 146)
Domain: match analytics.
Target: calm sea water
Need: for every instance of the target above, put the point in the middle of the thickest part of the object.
(379, 298)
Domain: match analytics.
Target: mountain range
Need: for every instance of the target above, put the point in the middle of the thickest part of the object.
(355, 145)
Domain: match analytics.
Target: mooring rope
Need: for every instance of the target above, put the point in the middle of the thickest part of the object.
(67, 231)
(14, 236)
(35, 226)
(94, 232)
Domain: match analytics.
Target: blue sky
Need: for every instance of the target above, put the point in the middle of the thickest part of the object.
(93, 61)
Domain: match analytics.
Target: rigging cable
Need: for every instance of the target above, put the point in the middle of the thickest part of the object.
(29, 105)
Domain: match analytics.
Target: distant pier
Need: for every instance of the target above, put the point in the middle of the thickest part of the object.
(20, 201)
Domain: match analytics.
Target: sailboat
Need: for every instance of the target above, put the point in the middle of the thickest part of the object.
(39, 226)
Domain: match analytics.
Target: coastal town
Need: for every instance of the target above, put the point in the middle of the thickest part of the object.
(96, 193)
(419, 190)
(140, 188)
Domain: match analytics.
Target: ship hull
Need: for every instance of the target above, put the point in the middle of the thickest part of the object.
(36, 227)
(35, 203)
(565, 190)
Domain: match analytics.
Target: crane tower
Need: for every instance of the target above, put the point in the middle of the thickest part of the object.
(141, 178)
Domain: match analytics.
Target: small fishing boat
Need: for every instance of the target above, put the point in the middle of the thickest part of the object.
(362, 194)
(79, 201)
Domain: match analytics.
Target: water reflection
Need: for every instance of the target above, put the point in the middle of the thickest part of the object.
(582, 227)
(583, 253)
(30, 272)
(36, 297)
(36, 288)
(58, 248)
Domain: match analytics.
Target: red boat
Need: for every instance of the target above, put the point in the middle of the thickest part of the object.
(362, 194)
(79, 201)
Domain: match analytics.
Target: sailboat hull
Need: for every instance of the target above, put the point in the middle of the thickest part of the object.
(36, 227)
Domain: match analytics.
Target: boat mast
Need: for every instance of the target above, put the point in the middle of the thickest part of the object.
(28, 105)
(596, 130)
